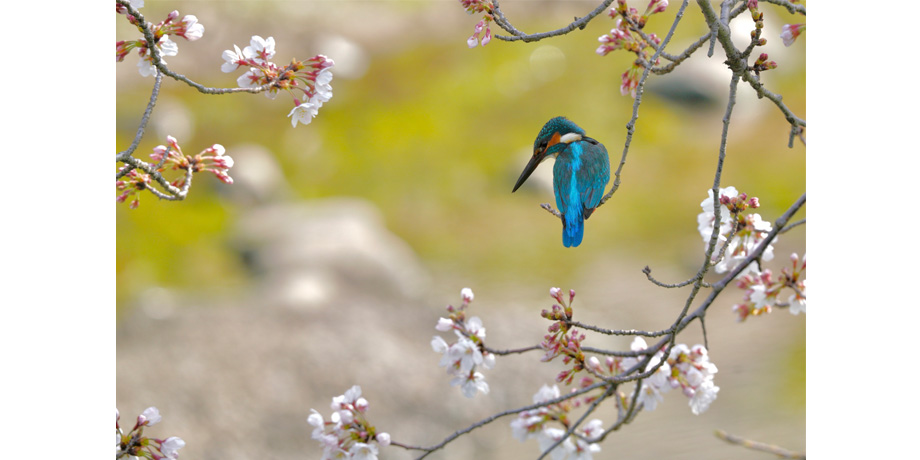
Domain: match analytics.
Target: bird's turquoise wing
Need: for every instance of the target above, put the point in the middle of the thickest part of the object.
(593, 175)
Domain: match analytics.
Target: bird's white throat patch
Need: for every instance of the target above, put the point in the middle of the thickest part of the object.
(568, 138)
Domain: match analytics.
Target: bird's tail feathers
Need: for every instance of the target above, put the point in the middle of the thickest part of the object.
(573, 229)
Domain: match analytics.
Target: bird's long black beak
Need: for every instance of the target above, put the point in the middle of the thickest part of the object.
(528, 170)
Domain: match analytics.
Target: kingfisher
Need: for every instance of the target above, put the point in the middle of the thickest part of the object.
(580, 174)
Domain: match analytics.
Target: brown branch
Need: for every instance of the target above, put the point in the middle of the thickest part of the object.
(512, 351)
(754, 445)
(492, 418)
(610, 390)
(791, 7)
(631, 126)
(516, 34)
(738, 64)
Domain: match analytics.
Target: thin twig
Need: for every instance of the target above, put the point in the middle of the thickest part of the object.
(624, 419)
(736, 62)
(516, 34)
(693, 47)
(512, 351)
(628, 332)
(793, 225)
(791, 7)
(640, 87)
(490, 419)
(754, 445)
(143, 124)
(621, 354)
(610, 390)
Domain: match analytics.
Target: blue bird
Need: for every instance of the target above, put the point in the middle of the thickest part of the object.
(580, 174)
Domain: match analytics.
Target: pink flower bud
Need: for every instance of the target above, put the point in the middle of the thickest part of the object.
(151, 415)
(361, 405)
(555, 293)
(467, 295)
(699, 350)
(224, 177)
(791, 32)
(594, 363)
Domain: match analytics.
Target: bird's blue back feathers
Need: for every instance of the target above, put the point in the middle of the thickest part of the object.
(580, 175)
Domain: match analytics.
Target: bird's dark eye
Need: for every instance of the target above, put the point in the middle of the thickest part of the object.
(542, 147)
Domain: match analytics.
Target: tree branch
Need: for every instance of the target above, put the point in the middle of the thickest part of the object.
(736, 62)
(754, 445)
(640, 88)
(516, 34)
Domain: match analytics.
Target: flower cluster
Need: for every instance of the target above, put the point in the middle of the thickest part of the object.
(627, 35)
(762, 291)
(464, 356)
(212, 159)
(311, 78)
(763, 63)
(562, 339)
(739, 234)
(134, 444)
(133, 182)
(479, 6)
(187, 28)
(687, 368)
(537, 423)
(347, 434)
(791, 32)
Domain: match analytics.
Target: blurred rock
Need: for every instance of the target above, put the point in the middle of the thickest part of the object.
(308, 253)
(257, 177)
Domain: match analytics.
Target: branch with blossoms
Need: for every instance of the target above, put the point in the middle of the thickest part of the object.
(308, 83)
(629, 35)
(736, 244)
(633, 380)
(134, 444)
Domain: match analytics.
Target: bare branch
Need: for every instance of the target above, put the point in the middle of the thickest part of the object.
(143, 124)
(550, 209)
(511, 351)
(516, 34)
(640, 88)
(754, 445)
(791, 7)
(738, 64)
(625, 417)
(793, 225)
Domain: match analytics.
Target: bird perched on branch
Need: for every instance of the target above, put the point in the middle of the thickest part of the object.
(580, 174)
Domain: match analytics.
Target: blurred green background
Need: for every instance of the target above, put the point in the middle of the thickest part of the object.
(434, 134)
